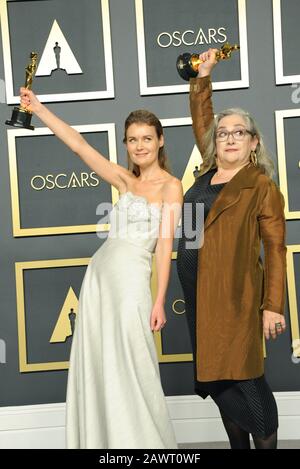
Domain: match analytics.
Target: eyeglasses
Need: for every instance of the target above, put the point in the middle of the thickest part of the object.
(239, 134)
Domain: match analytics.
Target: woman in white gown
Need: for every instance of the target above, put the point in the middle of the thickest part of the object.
(114, 395)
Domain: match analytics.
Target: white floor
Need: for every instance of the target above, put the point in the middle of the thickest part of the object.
(197, 423)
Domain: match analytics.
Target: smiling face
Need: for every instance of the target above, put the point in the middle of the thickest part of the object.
(233, 153)
(143, 144)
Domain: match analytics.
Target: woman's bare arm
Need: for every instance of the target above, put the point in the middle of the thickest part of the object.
(111, 172)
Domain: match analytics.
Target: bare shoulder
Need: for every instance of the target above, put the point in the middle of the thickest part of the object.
(172, 190)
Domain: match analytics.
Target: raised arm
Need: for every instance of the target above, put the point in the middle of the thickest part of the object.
(200, 97)
(111, 172)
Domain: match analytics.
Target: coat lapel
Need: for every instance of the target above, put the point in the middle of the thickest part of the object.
(231, 193)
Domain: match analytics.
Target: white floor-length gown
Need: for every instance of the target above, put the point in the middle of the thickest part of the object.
(114, 394)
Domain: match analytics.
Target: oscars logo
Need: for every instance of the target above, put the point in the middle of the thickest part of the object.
(57, 55)
(66, 321)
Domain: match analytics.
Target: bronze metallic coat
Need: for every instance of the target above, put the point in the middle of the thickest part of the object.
(233, 285)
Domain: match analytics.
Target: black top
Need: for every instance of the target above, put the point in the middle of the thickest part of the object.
(187, 258)
(198, 194)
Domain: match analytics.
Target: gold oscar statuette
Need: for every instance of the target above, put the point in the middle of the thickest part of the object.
(187, 64)
(21, 117)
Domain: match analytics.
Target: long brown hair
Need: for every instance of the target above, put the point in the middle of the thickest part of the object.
(142, 116)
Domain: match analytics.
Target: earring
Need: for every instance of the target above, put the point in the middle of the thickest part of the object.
(253, 158)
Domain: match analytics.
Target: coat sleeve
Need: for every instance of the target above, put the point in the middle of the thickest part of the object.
(272, 229)
(201, 108)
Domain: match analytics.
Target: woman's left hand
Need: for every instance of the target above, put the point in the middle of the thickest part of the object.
(158, 317)
(273, 324)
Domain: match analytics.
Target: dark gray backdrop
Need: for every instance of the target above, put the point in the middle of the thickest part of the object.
(80, 22)
(262, 99)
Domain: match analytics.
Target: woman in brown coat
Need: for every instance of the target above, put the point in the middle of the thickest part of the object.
(231, 298)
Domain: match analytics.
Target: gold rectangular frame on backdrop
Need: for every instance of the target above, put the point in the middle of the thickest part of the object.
(195, 158)
(279, 117)
(292, 296)
(20, 267)
(12, 134)
(165, 89)
(24, 366)
(166, 358)
(278, 54)
(53, 97)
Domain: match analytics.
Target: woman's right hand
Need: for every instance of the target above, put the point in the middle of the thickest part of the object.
(208, 62)
(29, 101)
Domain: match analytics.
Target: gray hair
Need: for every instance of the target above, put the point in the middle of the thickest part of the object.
(264, 160)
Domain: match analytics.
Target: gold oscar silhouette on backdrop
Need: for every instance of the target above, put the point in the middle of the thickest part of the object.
(21, 117)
